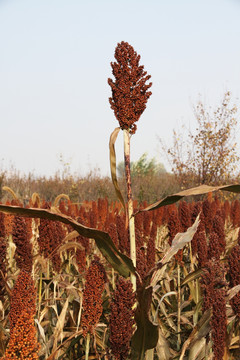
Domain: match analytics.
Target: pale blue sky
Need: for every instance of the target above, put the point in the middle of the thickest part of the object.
(55, 61)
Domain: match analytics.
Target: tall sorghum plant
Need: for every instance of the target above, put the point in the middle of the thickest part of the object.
(129, 98)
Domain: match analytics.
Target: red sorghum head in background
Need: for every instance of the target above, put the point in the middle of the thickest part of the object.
(23, 298)
(184, 215)
(122, 319)
(21, 238)
(92, 296)
(129, 91)
(234, 275)
(3, 248)
(214, 297)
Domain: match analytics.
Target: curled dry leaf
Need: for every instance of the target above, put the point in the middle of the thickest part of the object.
(61, 196)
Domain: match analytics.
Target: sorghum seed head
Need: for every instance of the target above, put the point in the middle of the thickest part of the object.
(129, 91)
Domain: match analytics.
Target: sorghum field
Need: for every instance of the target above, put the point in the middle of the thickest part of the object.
(60, 299)
(121, 279)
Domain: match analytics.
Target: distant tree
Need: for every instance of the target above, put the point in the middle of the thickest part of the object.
(142, 167)
(208, 156)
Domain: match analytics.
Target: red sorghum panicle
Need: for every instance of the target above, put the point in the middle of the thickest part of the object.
(23, 344)
(62, 207)
(8, 222)
(235, 213)
(50, 237)
(217, 202)
(129, 91)
(122, 319)
(201, 227)
(214, 296)
(45, 234)
(124, 244)
(212, 278)
(2, 265)
(184, 215)
(102, 212)
(219, 323)
(23, 298)
(213, 208)
(214, 250)
(2, 226)
(21, 238)
(58, 236)
(218, 228)
(92, 219)
(2, 253)
(151, 251)
(147, 220)
(112, 230)
(174, 225)
(139, 239)
(158, 216)
(208, 215)
(92, 296)
(202, 248)
(139, 222)
(234, 275)
(142, 266)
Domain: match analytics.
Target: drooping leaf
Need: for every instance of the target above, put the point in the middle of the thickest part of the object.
(119, 261)
(59, 197)
(146, 335)
(8, 189)
(112, 140)
(199, 190)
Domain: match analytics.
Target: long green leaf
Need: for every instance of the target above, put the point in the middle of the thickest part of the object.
(112, 152)
(199, 190)
(119, 261)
